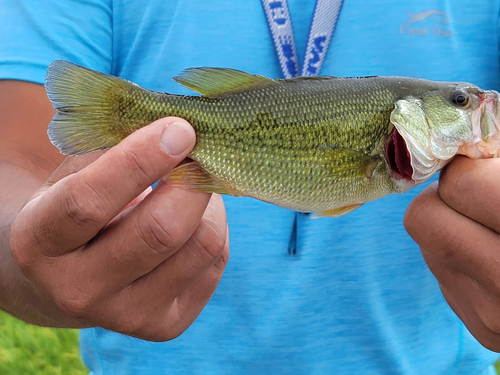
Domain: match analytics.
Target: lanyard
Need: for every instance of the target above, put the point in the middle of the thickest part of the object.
(320, 34)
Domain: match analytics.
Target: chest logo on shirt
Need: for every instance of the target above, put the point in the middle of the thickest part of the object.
(431, 23)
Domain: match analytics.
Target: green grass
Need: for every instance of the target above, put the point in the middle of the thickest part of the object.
(31, 350)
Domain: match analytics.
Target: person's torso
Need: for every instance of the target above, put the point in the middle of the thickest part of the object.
(350, 295)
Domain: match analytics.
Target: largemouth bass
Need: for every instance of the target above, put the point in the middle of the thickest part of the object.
(312, 144)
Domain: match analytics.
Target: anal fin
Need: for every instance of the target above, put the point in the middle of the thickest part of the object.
(192, 176)
(336, 212)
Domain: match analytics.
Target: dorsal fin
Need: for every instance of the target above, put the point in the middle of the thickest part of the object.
(215, 82)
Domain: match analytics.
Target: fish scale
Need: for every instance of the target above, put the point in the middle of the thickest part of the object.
(286, 142)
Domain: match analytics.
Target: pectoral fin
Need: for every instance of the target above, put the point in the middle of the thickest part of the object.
(336, 212)
(341, 161)
(194, 177)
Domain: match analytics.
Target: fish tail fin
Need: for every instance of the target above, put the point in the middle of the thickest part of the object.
(91, 108)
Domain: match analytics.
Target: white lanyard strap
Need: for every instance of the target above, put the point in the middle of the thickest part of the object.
(280, 25)
(320, 34)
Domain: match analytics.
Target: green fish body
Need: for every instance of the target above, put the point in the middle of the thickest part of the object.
(321, 144)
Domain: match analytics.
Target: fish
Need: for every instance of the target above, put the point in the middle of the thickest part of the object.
(323, 145)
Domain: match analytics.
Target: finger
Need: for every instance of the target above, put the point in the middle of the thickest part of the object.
(139, 198)
(192, 301)
(185, 308)
(197, 255)
(199, 250)
(473, 305)
(471, 188)
(70, 165)
(462, 243)
(448, 280)
(181, 311)
(136, 244)
(480, 330)
(169, 298)
(77, 207)
(161, 319)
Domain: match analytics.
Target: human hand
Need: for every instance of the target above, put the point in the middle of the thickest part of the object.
(457, 226)
(107, 251)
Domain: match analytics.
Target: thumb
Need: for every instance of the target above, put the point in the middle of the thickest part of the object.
(77, 207)
(173, 142)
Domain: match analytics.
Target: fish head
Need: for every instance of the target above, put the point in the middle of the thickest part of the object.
(432, 127)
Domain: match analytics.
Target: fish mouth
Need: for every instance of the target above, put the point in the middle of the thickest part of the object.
(398, 157)
(410, 162)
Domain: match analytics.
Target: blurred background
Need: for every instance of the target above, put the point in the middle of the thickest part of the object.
(30, 350)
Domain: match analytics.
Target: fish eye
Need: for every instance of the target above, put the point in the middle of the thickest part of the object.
(460, 98)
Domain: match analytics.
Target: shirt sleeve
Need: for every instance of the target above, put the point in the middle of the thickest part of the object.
(34, 33)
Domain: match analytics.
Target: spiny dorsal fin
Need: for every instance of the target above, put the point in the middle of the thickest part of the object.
(215, 82)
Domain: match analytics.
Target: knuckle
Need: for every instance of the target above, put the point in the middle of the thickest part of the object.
(490, 320)
(216, 209)
(495, 288)
(169, 334)
(131, 325)
(409, 218)
(20, 251)
(453, 187)
(146, 327)
(142, 170)
(491, 344)
(157, 325)
(25, 243)
(166, 332)
(490, 336)
(81, 206)
(448, 247)
(211, 238)
(423, 224)
(416, 215)
(225, 254)
(24, 258)
(176, 321)
(74, 303)
(160, 235)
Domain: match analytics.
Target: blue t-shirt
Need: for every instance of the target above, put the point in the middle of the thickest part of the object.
(350, 295)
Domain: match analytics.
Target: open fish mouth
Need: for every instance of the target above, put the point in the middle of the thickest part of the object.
(409, 161)
(398, 157)
(413, 162)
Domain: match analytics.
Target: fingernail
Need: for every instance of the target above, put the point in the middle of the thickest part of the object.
(176, 138)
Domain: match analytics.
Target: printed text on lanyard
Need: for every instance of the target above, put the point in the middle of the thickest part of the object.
(320, 34)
